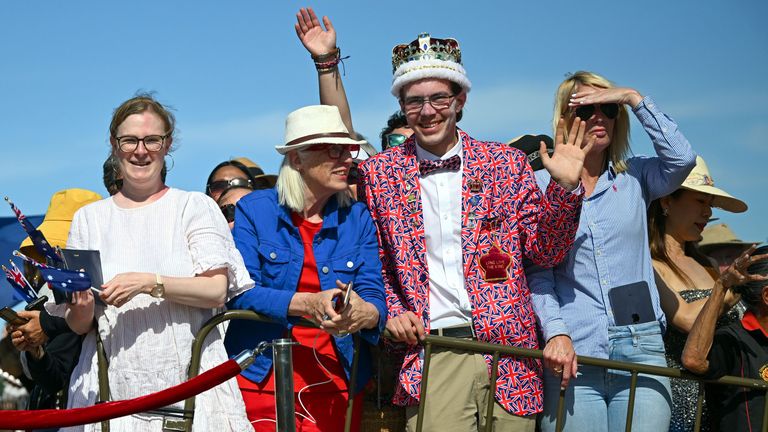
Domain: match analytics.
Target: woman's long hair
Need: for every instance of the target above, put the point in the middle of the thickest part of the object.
(290, 188)
(619, 150)
(657, 228)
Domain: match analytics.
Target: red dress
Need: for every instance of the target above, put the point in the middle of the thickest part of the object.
(319, 380)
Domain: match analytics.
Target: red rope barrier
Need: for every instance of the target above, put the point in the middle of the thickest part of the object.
(51, 418)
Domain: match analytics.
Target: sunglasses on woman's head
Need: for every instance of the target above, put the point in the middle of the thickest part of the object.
(229, 212)
(610, 111)
(220, 185)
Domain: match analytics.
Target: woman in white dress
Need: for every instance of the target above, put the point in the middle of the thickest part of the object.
(169, 262)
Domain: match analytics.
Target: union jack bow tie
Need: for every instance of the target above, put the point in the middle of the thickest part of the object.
(429, 166)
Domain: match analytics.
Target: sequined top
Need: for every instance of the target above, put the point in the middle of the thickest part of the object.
(685, 392)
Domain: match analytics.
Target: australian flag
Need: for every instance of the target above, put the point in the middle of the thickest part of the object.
(62, 279)
(17, 280)
(37, 237)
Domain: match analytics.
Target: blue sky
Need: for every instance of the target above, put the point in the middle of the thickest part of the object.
(234, 69)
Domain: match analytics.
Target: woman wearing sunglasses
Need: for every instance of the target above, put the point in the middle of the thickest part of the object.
(169, 261)
(228, 174)
(601, 301)
(228, 199)
(303, 242)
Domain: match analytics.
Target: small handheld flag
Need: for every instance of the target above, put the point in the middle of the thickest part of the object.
(37, 237)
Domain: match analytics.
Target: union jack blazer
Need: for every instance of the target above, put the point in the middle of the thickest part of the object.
(502, 205)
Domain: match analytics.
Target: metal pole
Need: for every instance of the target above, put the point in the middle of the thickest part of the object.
(284, 406)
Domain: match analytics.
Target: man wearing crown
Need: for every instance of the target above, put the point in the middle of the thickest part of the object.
(456, 217)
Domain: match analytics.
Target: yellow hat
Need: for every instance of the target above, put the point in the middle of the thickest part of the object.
(58, 218)
(256, 171)
(701, 181)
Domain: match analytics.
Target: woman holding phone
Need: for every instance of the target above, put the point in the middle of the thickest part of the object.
(308, 246)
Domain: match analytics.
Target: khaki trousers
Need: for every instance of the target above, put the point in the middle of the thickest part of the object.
(457, 395)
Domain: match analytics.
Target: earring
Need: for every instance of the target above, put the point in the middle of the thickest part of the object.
(665, 212)
(173, 163)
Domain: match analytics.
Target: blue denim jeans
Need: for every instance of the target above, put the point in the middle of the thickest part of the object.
(597, 399)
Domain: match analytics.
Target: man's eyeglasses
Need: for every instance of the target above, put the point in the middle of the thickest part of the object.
(129, 143)
(220, 185)
(438, 101)
(394, 140)
(610, 110)
(336, 150)
(229, 212)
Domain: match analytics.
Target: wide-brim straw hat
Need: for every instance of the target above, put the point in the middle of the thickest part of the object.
(700, 180)
(315, 124)
(719, 235)
(58, 217)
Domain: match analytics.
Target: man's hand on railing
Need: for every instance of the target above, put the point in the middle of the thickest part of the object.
(406, 327)
(561, 358)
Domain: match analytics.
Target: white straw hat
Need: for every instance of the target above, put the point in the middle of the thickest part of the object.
(701, 181)
(315, 124)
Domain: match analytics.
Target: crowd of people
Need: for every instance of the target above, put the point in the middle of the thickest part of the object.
(567, 244)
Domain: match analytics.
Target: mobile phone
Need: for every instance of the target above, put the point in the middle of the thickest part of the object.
(343, 301)
(12, 317)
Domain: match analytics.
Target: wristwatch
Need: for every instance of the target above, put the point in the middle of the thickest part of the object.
(159, 289)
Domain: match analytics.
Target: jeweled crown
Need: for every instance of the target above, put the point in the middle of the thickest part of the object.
(426, 48)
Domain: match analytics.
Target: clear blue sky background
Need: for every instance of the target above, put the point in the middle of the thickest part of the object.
(234, 69)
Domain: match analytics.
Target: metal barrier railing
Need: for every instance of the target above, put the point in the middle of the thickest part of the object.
(185, 424)
(496, 351)
(633, 368)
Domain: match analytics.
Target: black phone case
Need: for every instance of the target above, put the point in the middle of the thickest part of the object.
(631, 304)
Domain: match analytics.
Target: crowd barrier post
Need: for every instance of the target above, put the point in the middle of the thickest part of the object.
(285, 410)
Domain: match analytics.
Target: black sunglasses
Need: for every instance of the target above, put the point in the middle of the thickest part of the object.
(229, 212)
(610, 111)
(220, 185)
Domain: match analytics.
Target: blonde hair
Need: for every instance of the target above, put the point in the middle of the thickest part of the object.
(291, 188)
(618, 150)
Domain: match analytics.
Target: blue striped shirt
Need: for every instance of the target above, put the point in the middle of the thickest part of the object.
(611, 245)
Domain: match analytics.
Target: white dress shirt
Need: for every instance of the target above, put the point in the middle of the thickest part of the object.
(441, 205)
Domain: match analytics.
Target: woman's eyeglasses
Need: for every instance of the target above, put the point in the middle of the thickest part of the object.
(229, 212)
(610, 111)
(220, 185)
(394, 140)
(129, 143)
(336, 150)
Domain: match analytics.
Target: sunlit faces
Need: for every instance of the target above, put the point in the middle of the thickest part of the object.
(598, 124)
(141, 166)
(687, 214)
(323, 175)
(434, 123)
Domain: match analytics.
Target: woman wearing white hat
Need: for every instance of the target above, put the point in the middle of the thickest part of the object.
(684, 276)
(303, 243)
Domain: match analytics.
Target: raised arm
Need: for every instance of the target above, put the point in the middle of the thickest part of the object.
(321, 44)
(699, 342)
(661, 175)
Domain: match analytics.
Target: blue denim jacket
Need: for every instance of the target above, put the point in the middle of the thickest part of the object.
(346, 248)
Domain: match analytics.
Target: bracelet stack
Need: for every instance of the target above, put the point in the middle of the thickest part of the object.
(327, 62)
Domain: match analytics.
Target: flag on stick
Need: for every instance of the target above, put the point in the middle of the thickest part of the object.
(37, 237)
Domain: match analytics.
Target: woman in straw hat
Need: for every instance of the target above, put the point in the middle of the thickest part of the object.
(684, 277)
(305, 243)
(169, 260)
